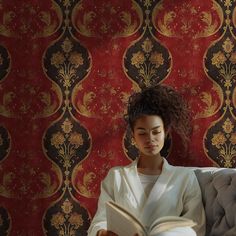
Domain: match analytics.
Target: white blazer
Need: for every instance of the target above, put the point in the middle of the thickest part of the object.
(175, 193)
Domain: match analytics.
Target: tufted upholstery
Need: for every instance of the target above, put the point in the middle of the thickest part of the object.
(218, 187)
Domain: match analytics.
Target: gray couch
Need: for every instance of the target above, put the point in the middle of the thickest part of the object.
(218, 187)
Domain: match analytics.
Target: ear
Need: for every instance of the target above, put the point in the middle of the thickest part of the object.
(132, 138)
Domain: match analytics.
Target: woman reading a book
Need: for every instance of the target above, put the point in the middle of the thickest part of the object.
(151, 188)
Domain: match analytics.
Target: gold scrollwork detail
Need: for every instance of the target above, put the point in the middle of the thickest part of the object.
(165, 24)
(93, 21)
(85, 183)
(49, 104)
(225, 142)
(83, 105)
(66, 222)
(46, 25)
(86, 102)
(234, 17)
(210, 105)
(234, 98)
(50, 186)
(47, 185)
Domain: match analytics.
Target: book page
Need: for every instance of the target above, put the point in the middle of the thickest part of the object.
(169, 222)
(122, 222)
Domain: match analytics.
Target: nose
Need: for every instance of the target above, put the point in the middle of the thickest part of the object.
(150, 137)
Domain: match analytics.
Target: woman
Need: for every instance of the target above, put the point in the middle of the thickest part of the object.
(150, 187)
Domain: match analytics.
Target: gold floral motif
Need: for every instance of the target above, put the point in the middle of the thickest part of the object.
(67, 126)
(218, 139)
(67, 62)
(233, 58)
(147, 45)
(67, 207)
(218, 59)
(66, 143)
(233, 138)
(156, 59)
(67, 222)
(57, 59)
(57, 220)
(57, 139)
(137, 59)
(147, 3)
(228, 46)
(67, 45)
(76, 220)
(228, 3)
(66, 3)
(226, 143)
(228, 126)
(147, 62)
(76, 139)
(76, 59)
(226, 63)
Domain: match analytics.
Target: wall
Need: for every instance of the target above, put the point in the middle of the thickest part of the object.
(66, 70)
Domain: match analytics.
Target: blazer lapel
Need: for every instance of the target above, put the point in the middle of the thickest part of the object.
(132, 178)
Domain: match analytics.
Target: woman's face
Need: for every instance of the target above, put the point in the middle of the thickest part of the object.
(149, 135)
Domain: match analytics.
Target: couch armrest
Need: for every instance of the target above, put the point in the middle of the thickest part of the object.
(218, 186)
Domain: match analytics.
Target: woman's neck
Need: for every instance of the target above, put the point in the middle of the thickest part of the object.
(150, 165)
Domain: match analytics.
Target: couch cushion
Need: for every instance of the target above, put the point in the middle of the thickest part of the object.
(218, 187)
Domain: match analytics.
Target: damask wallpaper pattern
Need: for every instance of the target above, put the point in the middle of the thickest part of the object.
(66, 70)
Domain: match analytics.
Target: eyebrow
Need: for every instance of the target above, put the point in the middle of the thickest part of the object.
(155, 127)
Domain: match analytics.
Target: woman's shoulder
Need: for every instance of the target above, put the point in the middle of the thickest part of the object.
(184, 171)
(119, 169)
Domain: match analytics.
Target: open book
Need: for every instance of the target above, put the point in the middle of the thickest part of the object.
(123, 223)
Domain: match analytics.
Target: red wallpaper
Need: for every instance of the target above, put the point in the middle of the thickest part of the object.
(66, 70)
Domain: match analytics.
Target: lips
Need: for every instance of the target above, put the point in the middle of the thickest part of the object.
(151, 146)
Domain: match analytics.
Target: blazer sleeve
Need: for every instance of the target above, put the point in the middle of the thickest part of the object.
(193, 205)
(107, 194)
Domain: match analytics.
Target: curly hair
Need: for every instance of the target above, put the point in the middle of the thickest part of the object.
(163, 101)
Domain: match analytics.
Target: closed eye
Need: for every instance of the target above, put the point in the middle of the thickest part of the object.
(141, 133)
(156, 132)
